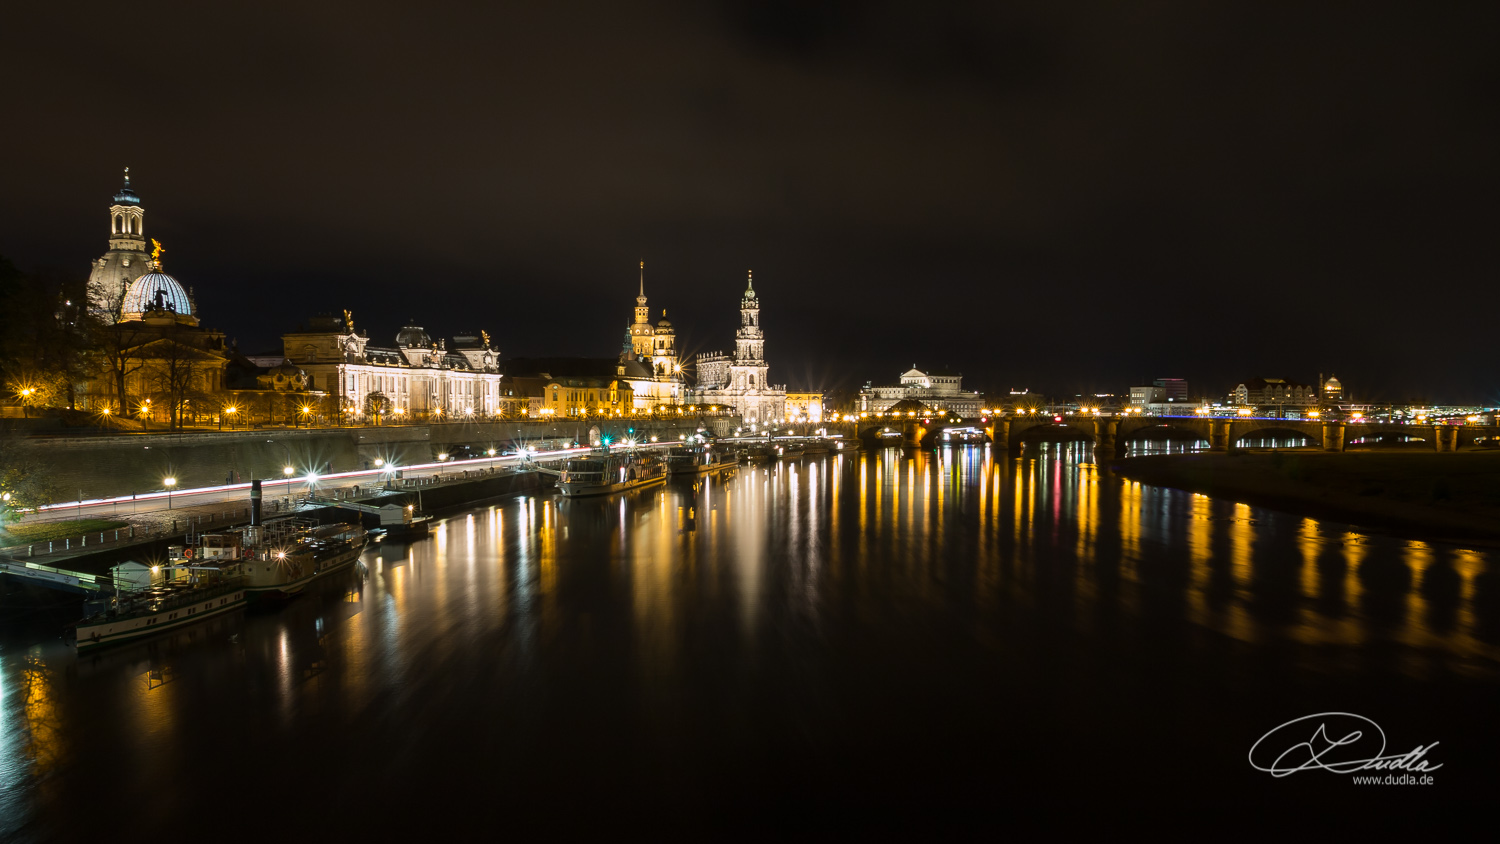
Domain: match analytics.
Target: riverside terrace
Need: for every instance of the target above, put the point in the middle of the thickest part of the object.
(1109, 432)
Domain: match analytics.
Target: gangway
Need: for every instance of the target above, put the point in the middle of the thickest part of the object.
(56, 578)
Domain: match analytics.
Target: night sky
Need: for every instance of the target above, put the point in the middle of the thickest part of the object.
(1060, 196)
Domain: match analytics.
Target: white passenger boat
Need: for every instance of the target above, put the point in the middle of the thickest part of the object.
(169, 597)
(610, 472)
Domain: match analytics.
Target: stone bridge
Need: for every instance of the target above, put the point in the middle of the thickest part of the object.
(1109, 433)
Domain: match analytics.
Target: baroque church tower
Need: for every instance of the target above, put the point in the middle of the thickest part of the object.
(127, 258)
(748, 372)
(641, 332)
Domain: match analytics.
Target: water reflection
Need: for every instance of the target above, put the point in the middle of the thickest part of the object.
(790, 607)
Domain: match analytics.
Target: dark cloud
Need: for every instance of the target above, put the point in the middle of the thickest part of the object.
(1062, 196)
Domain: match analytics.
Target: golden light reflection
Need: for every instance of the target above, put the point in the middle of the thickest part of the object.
(43, 741)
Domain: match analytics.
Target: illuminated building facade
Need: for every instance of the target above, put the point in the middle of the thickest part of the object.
(418, 377)
(934, 388)
(804, 407)
(1273, 393)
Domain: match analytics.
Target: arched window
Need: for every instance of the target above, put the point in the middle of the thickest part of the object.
(117, 224)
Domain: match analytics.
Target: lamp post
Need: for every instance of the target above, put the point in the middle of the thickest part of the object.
(169, 483)
(26, 402)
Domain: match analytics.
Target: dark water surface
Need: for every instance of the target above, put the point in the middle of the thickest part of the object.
(847, 643)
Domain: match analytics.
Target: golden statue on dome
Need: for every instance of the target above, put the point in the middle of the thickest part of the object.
(156, 250)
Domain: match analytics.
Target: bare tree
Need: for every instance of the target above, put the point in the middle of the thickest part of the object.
(24, 479)
(180, 374)
(377, 405)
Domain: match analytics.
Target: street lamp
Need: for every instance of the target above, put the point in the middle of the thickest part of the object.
(231, 411)
(169, 483)
(26, 402)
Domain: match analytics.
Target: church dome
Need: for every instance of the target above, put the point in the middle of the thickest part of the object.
(154, 289)
(1332, 385)
(664, 324)
(412, 336)
(126, 196)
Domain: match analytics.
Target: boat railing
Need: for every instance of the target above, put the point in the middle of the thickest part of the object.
(169, 597)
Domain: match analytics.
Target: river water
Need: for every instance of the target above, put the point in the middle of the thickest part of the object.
(853, 642)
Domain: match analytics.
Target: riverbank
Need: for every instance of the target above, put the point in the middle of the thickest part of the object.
(1433, 496)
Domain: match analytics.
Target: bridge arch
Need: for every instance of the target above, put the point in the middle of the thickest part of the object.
(1258, 435)
(1145, 436)
(1052, 432)
(1370, 435)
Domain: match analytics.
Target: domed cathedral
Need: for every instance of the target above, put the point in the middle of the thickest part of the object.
(649, 358)
(158, 363)
(110, 277)
(741, 382)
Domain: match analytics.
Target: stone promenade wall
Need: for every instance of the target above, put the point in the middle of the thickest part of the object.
(119, 465)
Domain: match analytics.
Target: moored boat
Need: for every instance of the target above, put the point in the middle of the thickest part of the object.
(283, 556)
(170, 597)
(610, 472)
(692, 460)
(758, 454)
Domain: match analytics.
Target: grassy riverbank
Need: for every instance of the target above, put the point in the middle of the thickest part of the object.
(43, 531)
(1438, 496)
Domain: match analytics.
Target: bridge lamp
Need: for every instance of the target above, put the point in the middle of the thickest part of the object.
(1314, 414)
(169, 483)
